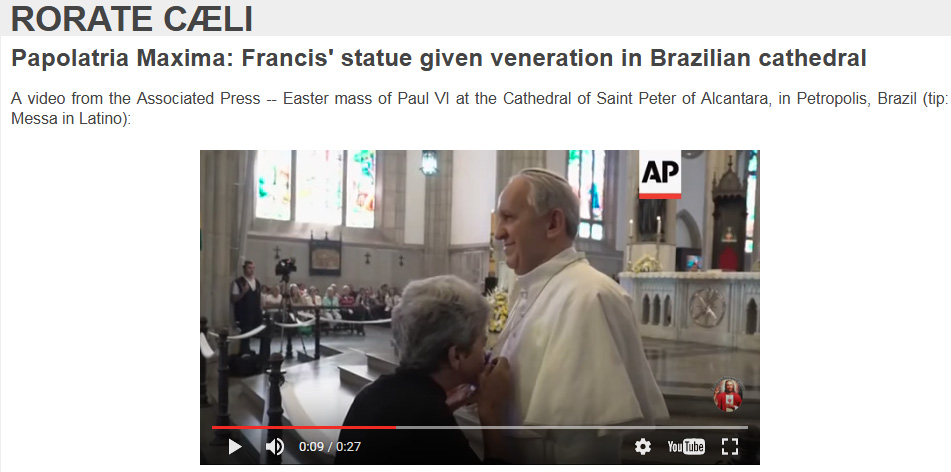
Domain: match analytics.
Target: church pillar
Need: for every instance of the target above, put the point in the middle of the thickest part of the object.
(612, 217)
(716, 167)
(245, 201)
(758, 214)
(670, 225)
(438, 217)
(206, 225)
(631, 196)
(390, 203)
(222, 224)
(509, 163)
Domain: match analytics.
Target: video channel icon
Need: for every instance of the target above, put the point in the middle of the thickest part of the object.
(276, 446)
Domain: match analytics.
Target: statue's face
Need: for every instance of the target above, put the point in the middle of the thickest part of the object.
(523, 232)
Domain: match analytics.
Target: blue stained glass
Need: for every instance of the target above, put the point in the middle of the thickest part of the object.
(751, 209)
(586, 174)
(597, 186)
(273, 171)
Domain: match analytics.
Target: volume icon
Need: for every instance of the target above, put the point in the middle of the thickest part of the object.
(276, 446)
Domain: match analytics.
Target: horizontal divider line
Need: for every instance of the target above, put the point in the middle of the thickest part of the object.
(526, 428)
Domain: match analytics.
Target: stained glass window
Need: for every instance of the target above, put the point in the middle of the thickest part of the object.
(584, 230)
(361, 188)
(319, 178)
(319, 187)
(586, 176)
(751, 174)
(273, 172)
(586, 170)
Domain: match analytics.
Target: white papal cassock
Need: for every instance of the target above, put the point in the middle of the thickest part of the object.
(577, 360)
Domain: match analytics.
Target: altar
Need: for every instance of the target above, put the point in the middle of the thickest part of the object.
(716, 308)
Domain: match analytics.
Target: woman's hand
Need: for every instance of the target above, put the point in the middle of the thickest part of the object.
(459, 397)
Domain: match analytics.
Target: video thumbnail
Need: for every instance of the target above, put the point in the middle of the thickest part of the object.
(480, 306)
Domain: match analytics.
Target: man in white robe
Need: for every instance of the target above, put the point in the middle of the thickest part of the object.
(571, 339)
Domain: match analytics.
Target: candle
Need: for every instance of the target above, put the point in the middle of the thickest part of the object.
(630, 230)
(492, 224)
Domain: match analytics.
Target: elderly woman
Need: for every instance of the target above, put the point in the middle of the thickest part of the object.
(296, 297)
(272, 297)
(440, 334)
(331, 300)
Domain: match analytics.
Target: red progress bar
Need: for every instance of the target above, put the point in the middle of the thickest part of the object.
(303, 427)
(659, 196)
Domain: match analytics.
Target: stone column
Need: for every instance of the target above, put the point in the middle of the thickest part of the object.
(206, 225)
(612, 192)
(509, 163)
(670, 225)
(390, 210)
(245, 201)
(632, 211)
(438, 217)
(759, 212)
(222, 222)
(716, 167)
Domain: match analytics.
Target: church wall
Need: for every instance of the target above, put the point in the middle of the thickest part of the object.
(607, 263)
(470, 264)
(473, 196)
(683, 234)
(557, 162)
(398, 183)
(384, 266)
(693, 185)
(415, 223)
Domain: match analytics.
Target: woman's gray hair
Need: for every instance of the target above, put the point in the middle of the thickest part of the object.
(551, 191)
(436, 314)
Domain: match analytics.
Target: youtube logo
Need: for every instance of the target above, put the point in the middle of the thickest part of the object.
(690, 447)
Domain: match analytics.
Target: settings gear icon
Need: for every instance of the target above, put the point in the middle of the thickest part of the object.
(643, 446)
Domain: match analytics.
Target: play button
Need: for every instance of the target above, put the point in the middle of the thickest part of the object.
(232, 446)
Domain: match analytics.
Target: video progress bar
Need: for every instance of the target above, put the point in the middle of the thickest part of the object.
(526, 428)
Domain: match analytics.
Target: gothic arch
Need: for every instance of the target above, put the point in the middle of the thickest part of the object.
(696, 241)
(668, 318)
(752, 317)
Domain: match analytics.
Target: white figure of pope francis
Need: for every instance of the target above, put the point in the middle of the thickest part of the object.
(571, 339)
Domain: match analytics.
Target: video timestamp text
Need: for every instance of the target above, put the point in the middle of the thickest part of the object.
(332, 446)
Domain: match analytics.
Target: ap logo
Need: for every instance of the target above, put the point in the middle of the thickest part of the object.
(659, 175)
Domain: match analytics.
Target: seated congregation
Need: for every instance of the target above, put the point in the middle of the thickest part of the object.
(363, 304)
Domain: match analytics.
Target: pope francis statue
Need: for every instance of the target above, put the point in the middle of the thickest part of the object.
(571, 339)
